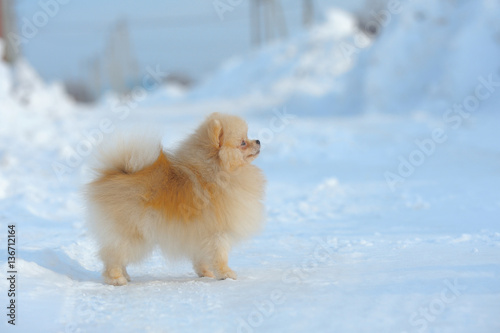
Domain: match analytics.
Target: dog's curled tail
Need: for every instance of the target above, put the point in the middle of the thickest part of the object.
(127, 152)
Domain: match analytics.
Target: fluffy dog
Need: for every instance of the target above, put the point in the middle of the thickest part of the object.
(195, 203)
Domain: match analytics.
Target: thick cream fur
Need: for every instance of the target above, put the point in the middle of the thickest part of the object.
(195, 203)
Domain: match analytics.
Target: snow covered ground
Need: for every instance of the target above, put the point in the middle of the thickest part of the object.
(383, 199)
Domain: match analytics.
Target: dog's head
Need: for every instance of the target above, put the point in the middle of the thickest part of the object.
(229, 141)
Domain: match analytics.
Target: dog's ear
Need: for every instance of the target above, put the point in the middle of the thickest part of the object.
(215, 133)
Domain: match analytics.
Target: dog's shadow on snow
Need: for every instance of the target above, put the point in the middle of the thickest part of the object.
(147, 280)
(59, 262)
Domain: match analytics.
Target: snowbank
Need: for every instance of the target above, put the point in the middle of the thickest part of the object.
(429, 54)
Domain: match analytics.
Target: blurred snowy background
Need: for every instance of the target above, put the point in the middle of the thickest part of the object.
(379, 122)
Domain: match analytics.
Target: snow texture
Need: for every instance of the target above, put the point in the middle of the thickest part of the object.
(383, 201)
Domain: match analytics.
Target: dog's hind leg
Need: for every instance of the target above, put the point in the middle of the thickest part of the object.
(114, 267)
(116, 258)
(114, 275)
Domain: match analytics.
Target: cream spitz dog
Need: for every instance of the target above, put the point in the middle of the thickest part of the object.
(195, 202)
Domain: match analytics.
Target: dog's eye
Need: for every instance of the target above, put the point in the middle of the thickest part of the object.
(243, 143)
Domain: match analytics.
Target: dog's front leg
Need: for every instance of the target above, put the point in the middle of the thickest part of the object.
(220, 259)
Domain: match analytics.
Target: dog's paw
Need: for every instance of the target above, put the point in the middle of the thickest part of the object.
(116, 277)
(203, 270)
(121, 281)
(206, 273)
(227, 273)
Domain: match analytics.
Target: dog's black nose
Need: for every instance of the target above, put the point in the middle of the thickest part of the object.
(258, 142)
